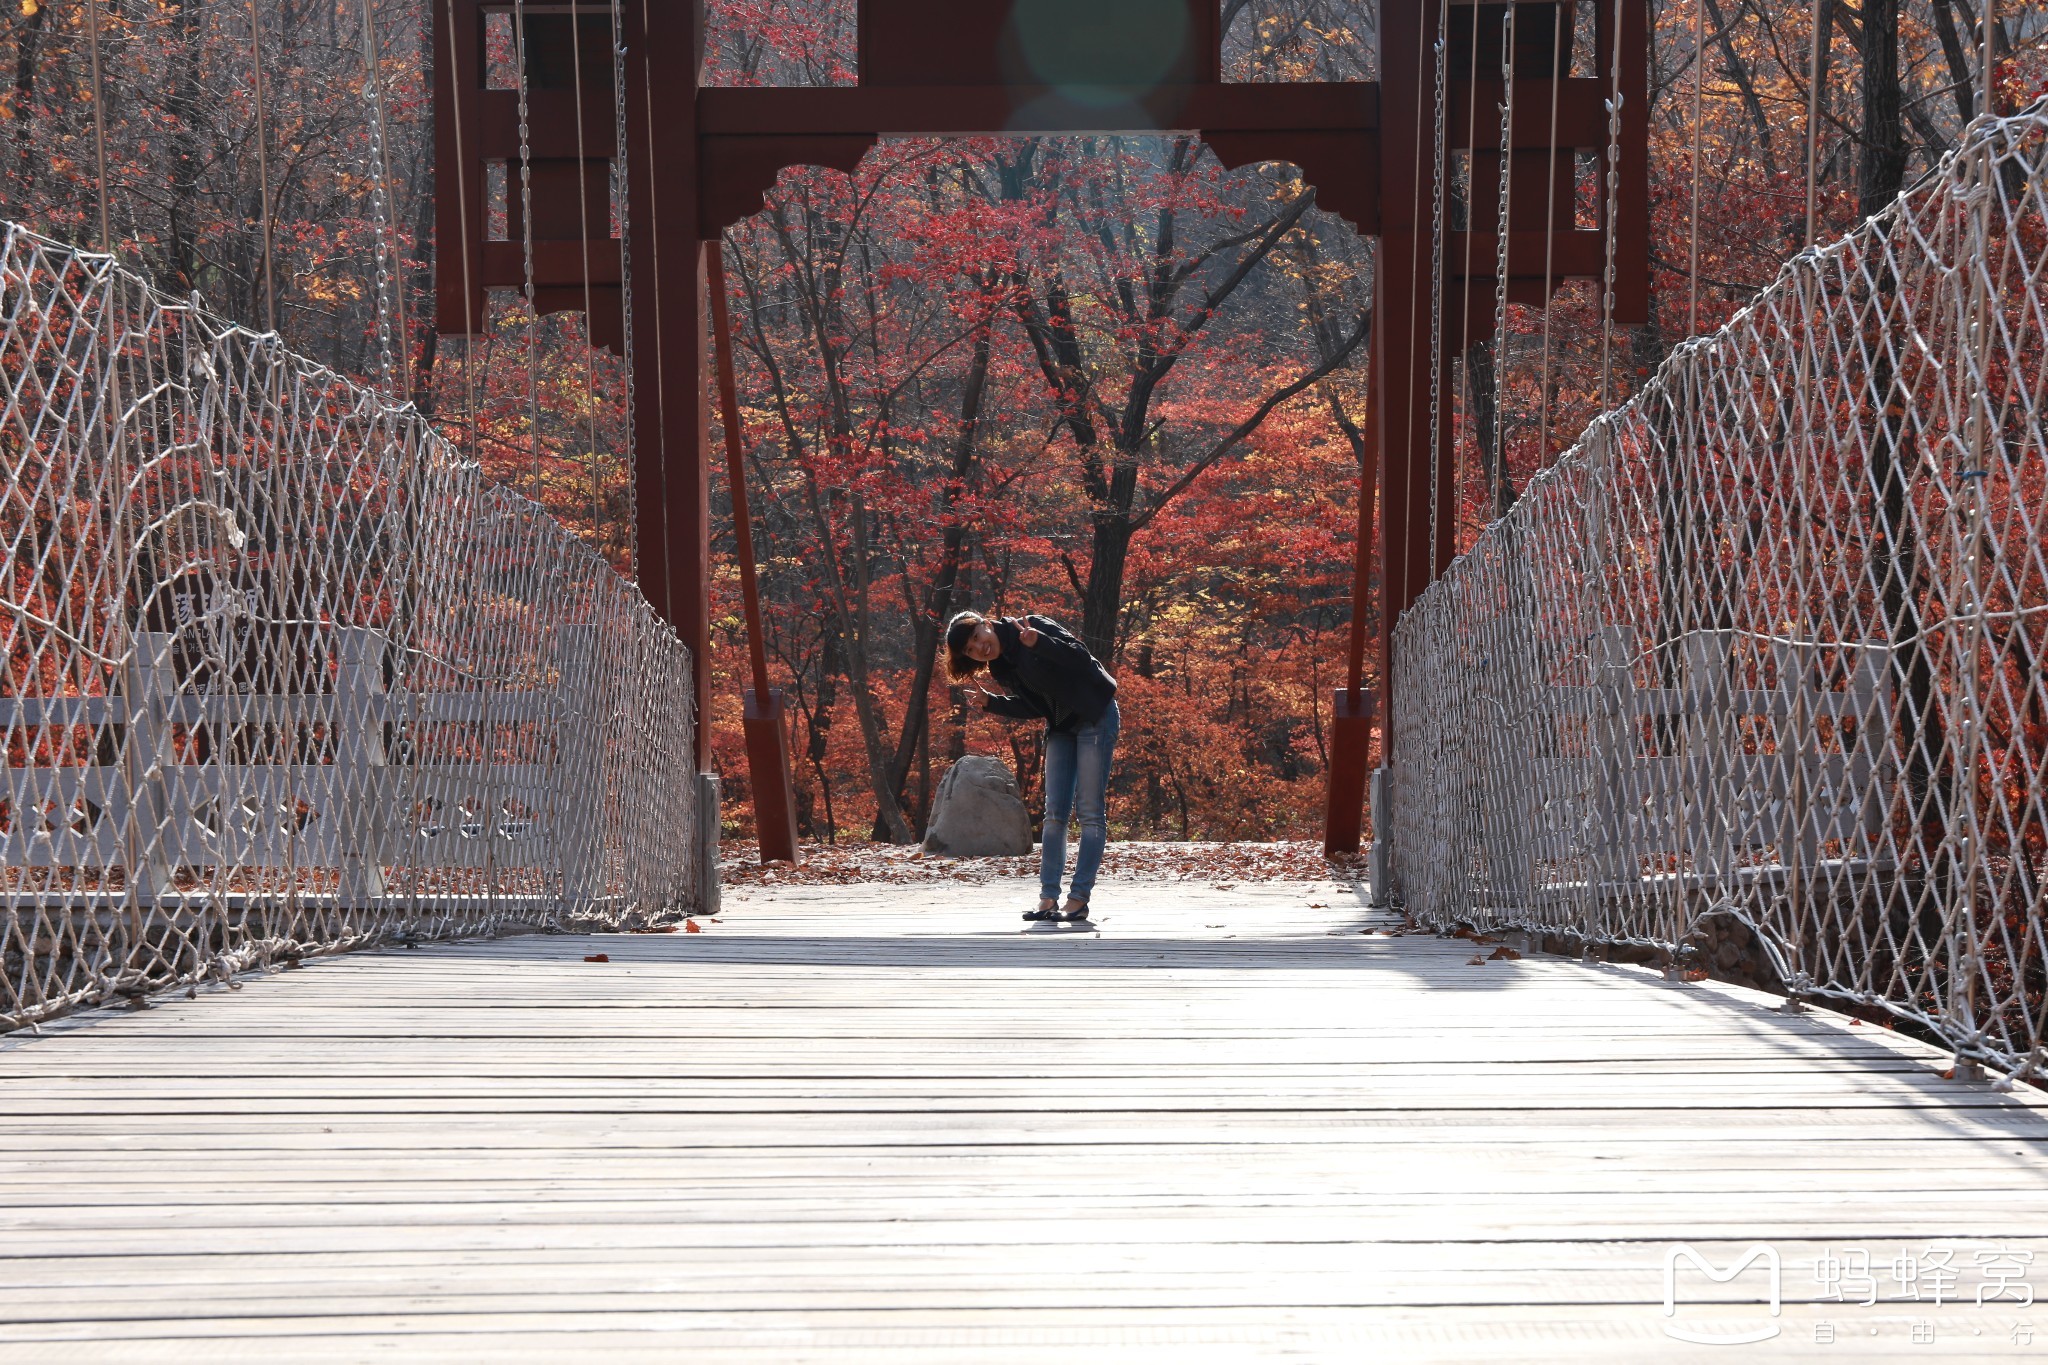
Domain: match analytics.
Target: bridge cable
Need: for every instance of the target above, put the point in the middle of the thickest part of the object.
(1988, 63)
(1611, 208)
(398, 377)
(583, 241)
(617, 205)
(396, 368)
(1439, 183)
(263, 166)
(1460, 461)
(1406, 512)
(1699, 78)
(99, 122)
(668, 570)
(1981, 185)
(1813, 79)
(293, 735)
(1497, 479)
(1557, 79)
(122, 636)
(526, 244)
(418, 809)
(472, 326)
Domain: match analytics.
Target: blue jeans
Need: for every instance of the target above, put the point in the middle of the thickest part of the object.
(1076, 772)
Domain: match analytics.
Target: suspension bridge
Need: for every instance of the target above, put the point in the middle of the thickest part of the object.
(359, 931)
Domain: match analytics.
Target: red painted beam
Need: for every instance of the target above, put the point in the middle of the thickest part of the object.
(1351, 712)
(981, 111)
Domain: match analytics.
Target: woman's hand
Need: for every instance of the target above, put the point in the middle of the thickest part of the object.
(1026, 635)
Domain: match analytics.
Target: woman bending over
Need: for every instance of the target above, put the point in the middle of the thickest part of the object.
(1030, 668)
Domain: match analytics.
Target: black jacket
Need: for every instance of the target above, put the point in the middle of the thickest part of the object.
(1056, 679)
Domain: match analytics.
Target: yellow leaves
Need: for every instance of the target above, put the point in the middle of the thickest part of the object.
(331, 290)
(29, 8)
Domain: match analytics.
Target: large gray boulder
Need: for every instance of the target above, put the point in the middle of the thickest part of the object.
(978, 812)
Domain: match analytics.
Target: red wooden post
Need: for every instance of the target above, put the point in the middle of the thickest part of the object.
(1351, 714)
(671, 429)
(763, 717)
(1403, 308)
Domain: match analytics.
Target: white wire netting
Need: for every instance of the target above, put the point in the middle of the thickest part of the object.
(1755, 673)
(285, 674)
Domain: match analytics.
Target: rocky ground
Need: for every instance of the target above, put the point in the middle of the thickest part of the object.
(1221, 865)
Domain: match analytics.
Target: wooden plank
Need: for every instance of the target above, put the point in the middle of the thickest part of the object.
(878, 1123)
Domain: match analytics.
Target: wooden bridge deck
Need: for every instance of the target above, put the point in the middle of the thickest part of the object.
(870, 1124)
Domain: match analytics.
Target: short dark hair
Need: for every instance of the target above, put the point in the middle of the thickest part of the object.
(959, 630)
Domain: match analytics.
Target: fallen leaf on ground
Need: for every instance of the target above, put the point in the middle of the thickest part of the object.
(1475, 961)
(1505, 953)
(692, 927)
(598, 957)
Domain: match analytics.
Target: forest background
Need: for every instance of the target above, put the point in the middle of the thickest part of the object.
(1099, 378)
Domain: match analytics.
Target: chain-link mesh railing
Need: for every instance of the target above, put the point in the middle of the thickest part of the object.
(285, 674)
(1758, 672)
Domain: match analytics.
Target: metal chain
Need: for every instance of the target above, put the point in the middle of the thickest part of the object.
(583, 245)
(472, 325)
(1813, 99)
(1557, 79)
(1699, 87)
(621, 187)
(1500, 274)
(526, 247)
(263, 165)
(99, 122)
(1462, 397)
(1436, 289)
(1613, 199)
(381, 207)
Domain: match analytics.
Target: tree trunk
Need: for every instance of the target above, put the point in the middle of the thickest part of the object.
(829, 667)
(938, 605)
(1962, 80)
(819, 300)
(1882, 173)
(1895, 560)
(182, 107)
(1102, 599)
(25, 120)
